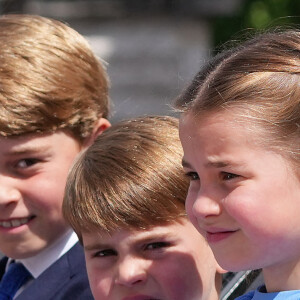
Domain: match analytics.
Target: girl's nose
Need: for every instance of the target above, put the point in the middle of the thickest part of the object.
(206, 205)
(131, 271)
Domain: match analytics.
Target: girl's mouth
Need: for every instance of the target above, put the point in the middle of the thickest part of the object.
(214, 237)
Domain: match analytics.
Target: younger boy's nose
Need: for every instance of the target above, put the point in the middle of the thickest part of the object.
(131, 271)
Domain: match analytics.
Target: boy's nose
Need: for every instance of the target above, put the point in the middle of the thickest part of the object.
(131, 271)
(8, 192)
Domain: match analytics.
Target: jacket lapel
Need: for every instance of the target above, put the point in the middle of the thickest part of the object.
(54, 279)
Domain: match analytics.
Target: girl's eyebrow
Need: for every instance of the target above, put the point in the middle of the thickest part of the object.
(215, 164)
(212, 163)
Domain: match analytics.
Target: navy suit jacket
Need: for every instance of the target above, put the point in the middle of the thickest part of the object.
(66, 279)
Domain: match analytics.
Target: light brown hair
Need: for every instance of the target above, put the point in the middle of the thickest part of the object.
(259, 80)
(130, 178)
(49, 78)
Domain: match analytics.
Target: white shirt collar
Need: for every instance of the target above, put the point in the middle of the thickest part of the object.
(37, 264)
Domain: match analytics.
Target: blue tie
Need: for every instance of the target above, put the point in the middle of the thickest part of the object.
(12, 280)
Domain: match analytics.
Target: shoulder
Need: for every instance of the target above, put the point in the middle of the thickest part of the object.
(3, 262)
(261, 294)
(247, 296)
(66, 279)
(72, 265)
(291, 295)
(75, 258)
(77, 286)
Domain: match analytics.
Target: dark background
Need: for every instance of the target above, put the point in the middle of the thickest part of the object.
(153, 48)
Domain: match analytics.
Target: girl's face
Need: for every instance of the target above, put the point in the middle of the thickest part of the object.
(243, 197)
(170, 262)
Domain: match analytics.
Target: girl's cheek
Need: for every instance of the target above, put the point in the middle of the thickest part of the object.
(240, 206)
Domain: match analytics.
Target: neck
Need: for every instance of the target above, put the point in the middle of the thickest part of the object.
(285, 277)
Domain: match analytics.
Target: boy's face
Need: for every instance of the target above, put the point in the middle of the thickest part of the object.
(170, 262)
(33, 171)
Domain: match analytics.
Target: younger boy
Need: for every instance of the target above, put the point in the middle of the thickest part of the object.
(125, 199)
(53, 103)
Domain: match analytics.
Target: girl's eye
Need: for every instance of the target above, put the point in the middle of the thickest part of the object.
(192, 176)
(105, 253)
(156, 245)
(228, 176)
(26, 163)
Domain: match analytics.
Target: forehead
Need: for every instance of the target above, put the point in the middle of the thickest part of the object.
(22, 142)
(236, 119)
(34, 142)
(222, 138)
(221, 125)
(124, 232)
(135, 235)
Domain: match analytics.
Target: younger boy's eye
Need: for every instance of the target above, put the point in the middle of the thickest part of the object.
(25, 163)
(192, 176)
(105, 253)
(156, 245)
(228, 176)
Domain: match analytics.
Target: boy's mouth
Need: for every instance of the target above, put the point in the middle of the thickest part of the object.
(15, 222)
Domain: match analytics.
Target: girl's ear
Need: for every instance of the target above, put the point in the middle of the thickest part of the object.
(219, 278)
(220, 270)
(99, 127)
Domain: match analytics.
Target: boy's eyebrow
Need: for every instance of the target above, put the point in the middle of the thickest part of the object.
(25, 149)
(148, 237)
(95, 246)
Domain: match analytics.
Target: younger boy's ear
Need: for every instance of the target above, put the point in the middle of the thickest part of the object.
(99, 127)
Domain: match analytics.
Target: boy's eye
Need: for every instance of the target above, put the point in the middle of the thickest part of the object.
(105, 253)
(25, 163)
(156, 245)
(228, 176)
(192, 175)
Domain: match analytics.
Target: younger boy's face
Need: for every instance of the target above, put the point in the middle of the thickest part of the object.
(33, 171)
(171, 262)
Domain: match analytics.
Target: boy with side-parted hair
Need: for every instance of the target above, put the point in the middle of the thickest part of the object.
(125, 198)
(53, 103)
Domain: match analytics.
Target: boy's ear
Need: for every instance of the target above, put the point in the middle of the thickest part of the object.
(99, 127)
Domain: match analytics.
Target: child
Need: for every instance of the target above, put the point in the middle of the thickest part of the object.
(240, 134)
(125, 200)
(54, 102)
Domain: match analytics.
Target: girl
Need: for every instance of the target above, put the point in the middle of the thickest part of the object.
(240, 134)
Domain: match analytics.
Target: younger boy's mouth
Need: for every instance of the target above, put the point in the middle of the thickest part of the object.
(13, 223)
